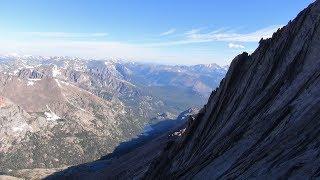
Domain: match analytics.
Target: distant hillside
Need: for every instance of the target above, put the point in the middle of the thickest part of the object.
(58, 111)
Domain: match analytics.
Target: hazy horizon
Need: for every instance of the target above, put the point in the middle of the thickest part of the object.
(169, 32)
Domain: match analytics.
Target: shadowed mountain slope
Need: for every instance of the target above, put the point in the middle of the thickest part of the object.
(263, 121)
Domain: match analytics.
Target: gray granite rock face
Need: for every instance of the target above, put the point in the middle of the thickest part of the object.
(264, 119)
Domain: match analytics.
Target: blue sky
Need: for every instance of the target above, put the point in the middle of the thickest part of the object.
(166, 31)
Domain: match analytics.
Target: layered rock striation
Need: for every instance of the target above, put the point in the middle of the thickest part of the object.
(263, 121)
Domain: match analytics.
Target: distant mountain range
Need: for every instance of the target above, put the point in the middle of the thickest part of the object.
(54, 109)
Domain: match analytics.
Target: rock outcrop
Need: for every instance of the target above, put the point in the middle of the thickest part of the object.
(264, 119)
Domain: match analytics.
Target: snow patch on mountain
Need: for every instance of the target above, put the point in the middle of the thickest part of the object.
(55, 71)
(51, 116)
(31, 82)
(58, 83)
(19, 128)
(65, 83)
(28, 67)
(15, 72)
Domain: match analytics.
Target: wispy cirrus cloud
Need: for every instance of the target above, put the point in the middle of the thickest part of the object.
(230, 35)
(170, 31)
(95, 45)
(193, 31)
(220, 35)
(235, 46)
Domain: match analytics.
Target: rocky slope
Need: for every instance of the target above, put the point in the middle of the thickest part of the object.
(46, 123)
(261, 123)
(59, 111)
(263, 120)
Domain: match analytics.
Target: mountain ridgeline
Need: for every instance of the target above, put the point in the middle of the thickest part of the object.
(61, 111)
(262, 122)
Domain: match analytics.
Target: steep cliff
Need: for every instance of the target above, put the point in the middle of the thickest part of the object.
(264, 119)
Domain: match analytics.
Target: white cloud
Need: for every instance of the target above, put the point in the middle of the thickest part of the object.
(219, 35)
(235, 46)
(223, 35)
(170, 31)
(193, 31)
